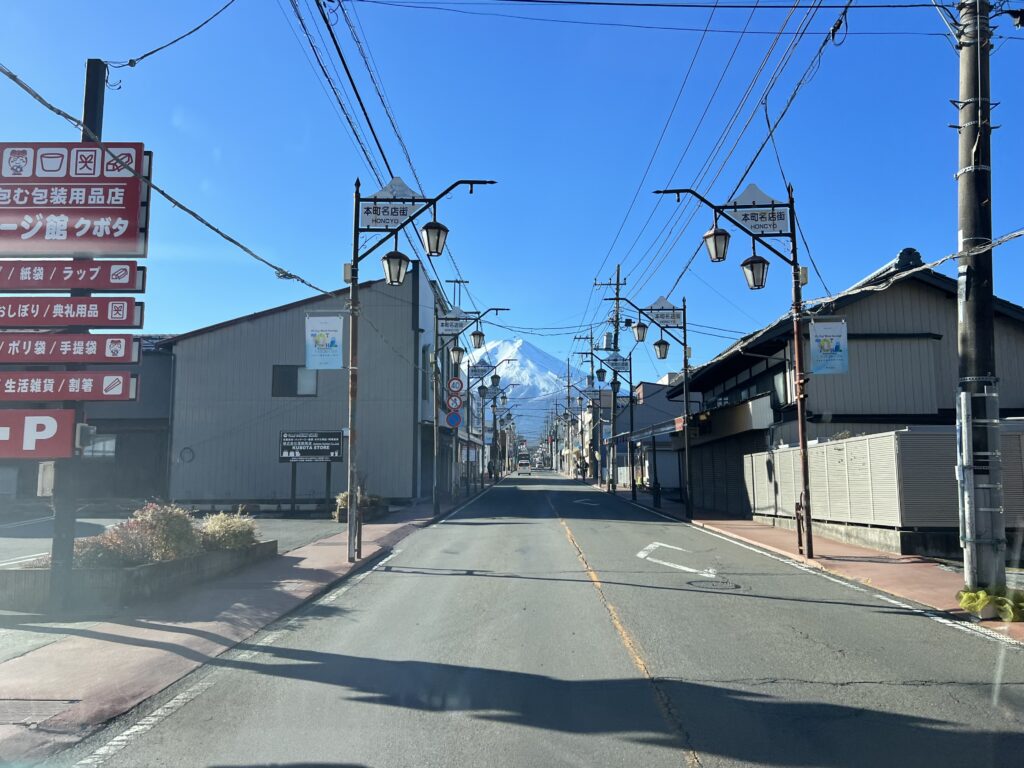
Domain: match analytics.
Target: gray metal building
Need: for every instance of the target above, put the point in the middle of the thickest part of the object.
(902, 339)
(240, 383)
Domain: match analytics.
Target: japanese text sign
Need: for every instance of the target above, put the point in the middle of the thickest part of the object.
(617, 362)
(829, 350)
(59, 199)
(759, 213)
(38, 276)
(453, 323)
(310, 446)
(479, 370)
(37, 312)
(36, 435)
(41, 348)
(665, 314)
(40, 386)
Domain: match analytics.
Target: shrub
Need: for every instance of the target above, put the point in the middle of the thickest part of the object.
(365, 501)
(170, 530)
(227, 531)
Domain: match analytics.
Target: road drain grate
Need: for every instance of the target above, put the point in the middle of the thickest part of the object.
(31, 711)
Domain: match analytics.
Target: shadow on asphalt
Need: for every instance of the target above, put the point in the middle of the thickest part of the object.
(749, 727)
(44, 530)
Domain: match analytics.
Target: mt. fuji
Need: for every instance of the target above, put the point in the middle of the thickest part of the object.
(540, 380)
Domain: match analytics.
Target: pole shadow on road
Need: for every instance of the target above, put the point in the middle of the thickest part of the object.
(743, 725)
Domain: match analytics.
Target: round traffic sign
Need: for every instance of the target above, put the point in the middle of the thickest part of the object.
(453, 419)
(455, 384)
(454, 402)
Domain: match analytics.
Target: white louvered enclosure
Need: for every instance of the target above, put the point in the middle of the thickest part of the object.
(903, 479)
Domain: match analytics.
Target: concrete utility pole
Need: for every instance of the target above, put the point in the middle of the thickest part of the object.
(686, 416)
(613, 457)
(979, 463)
(67, 471)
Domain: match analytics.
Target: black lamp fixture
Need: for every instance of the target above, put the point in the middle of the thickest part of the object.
(716, 240)
(396, 265)
(755, 270)
(477, 337)
(640, 331)
(601, 374)
(495, 380)
(457, 353)
(434, 234)
(661, 349)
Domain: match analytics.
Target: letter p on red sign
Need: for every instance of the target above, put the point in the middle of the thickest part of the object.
(36, 434)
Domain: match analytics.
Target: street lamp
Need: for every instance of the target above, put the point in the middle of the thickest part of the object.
(615, 386)
(395, 264)
(601, 374)
(755, 269)
(495, 381)
(483, 391)
(456, 354)
(661, 349)
(716, 240)
(504, 399)
(433, 234)
(640, 331)
(477, 338)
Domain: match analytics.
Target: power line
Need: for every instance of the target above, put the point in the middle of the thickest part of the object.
(281, 272)
(138, 59)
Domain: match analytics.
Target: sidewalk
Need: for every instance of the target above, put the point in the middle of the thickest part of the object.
(922, 580)
(69, 688)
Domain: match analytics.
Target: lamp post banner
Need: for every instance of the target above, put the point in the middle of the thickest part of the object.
(829, 350)
(323, 342)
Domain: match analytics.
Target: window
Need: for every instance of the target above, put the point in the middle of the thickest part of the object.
(102, 447)
(293, 381)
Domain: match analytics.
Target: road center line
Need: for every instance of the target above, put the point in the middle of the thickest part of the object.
(632, 647)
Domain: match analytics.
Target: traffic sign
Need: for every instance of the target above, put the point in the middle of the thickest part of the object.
(68, 199)
(455, 384)
(453, 419)
(45, 386)
(41, 348)
(454, 402)
(40, 276)
(37, 312)
(29, 434)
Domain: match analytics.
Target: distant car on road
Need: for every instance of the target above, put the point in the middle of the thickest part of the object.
(524, 467)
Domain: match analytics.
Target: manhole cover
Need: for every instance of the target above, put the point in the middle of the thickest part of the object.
(31, 711)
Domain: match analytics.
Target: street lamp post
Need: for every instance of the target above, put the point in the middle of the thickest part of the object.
(755, 270)
(395, 265)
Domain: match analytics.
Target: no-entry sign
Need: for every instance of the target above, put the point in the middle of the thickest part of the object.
(41, 386)
(36, 434)
(39, 276)
(62, 199)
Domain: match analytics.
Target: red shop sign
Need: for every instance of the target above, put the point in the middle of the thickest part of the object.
(36, 434)
(81, 274)
(91, 312)
(42, 386)
(44, 348)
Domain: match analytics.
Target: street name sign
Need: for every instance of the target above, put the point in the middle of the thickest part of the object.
(759, 213)
(453, 323)
(41, 348)
(479, 370)
(300, 447)
(389, 207)
(44, 386)
(39, 435)
(36, 312)
(41, 276)
(67, 199)
(665, 314)
(617, 362)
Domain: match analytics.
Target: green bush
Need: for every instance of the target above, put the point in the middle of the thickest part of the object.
(126, 544)
(227, 531)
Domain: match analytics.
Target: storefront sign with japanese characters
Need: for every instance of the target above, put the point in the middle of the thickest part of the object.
(66, 385)
(35, 312)
(29, 434)
(298, 447)
(62, 199)
(83, 274)
(759, 213)
(390, 207)
(43, 348)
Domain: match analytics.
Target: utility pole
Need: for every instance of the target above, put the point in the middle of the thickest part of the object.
(979, 463)
(457, 295)
(613, 461)
(686, 416)
(67, 471)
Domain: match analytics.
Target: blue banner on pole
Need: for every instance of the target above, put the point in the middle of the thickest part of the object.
(829, 350)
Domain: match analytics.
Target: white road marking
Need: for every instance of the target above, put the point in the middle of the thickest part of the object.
(645, 554)
(586, 502)
(26, 522)
(21, 559)
(148, 723)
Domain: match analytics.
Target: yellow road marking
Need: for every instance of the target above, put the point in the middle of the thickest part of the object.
(632, 647)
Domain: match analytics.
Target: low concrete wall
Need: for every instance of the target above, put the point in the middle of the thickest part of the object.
(27, 589)
(940, 543)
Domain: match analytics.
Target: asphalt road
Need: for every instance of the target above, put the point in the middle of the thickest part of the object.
(28, 539)
(548, 624)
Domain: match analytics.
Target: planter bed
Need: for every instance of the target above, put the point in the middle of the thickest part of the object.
(27, 589)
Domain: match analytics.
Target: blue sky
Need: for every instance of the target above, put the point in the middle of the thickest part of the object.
(564, 116)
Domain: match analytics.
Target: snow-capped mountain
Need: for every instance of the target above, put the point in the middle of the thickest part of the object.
(540, 380)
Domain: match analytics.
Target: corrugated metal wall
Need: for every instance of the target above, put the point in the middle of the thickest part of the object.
(225, 414)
